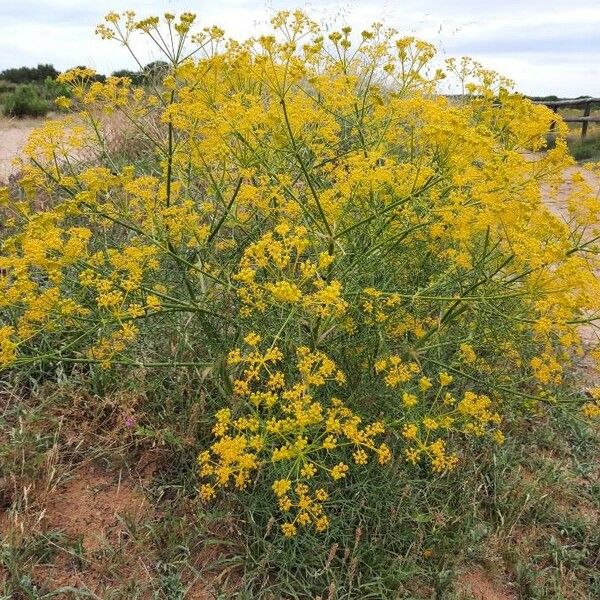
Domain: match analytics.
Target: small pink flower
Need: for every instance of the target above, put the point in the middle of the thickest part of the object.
(129, 422)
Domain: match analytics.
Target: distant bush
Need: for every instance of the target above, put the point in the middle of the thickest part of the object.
(25, 102)
(29, 74)
(52, 90)
(157, 69)
(153, 71)
(551, 98)
(136, 77)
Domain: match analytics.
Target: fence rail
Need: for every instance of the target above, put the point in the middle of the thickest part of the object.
(585, 103)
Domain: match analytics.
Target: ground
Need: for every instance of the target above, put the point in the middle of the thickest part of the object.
(13, 134)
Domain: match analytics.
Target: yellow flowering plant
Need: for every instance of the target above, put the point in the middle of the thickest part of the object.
(363, 270)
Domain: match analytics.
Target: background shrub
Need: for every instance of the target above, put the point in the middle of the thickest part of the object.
(25, 102)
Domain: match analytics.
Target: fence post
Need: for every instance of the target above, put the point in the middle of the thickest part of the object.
(553, 124)
(584, 125)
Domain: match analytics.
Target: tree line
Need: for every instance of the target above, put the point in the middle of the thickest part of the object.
(39, 74)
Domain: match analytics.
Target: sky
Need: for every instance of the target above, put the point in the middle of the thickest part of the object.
(545, 46)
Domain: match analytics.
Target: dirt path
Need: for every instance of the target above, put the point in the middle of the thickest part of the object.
(557, 204)
(13, 135)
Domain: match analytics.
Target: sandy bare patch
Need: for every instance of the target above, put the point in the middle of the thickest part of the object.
(94, 507)
(92, 511)
(13, 135)
(102, 545)
(90, 505)
(479, 585)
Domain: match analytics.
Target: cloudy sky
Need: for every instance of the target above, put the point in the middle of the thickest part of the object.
(546, 46)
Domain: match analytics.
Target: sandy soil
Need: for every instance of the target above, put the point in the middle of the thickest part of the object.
(99, 522)
(13, 135)
(480, 585)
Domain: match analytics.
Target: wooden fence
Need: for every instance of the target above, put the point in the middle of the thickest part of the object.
(585, 103)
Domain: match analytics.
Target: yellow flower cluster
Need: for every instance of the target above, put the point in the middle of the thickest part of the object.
(379, 308)
(285, 424)
(546, 369)
(429, 410)
(278, 270)
(113, 344)
(8, 346)
(396, 371)
(592, 409)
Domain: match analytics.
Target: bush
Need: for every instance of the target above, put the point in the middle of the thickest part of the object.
(53, 89)
(352, 273)
(7, 87)
(25, 102)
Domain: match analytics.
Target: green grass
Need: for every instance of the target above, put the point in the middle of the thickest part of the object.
(587, 149)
